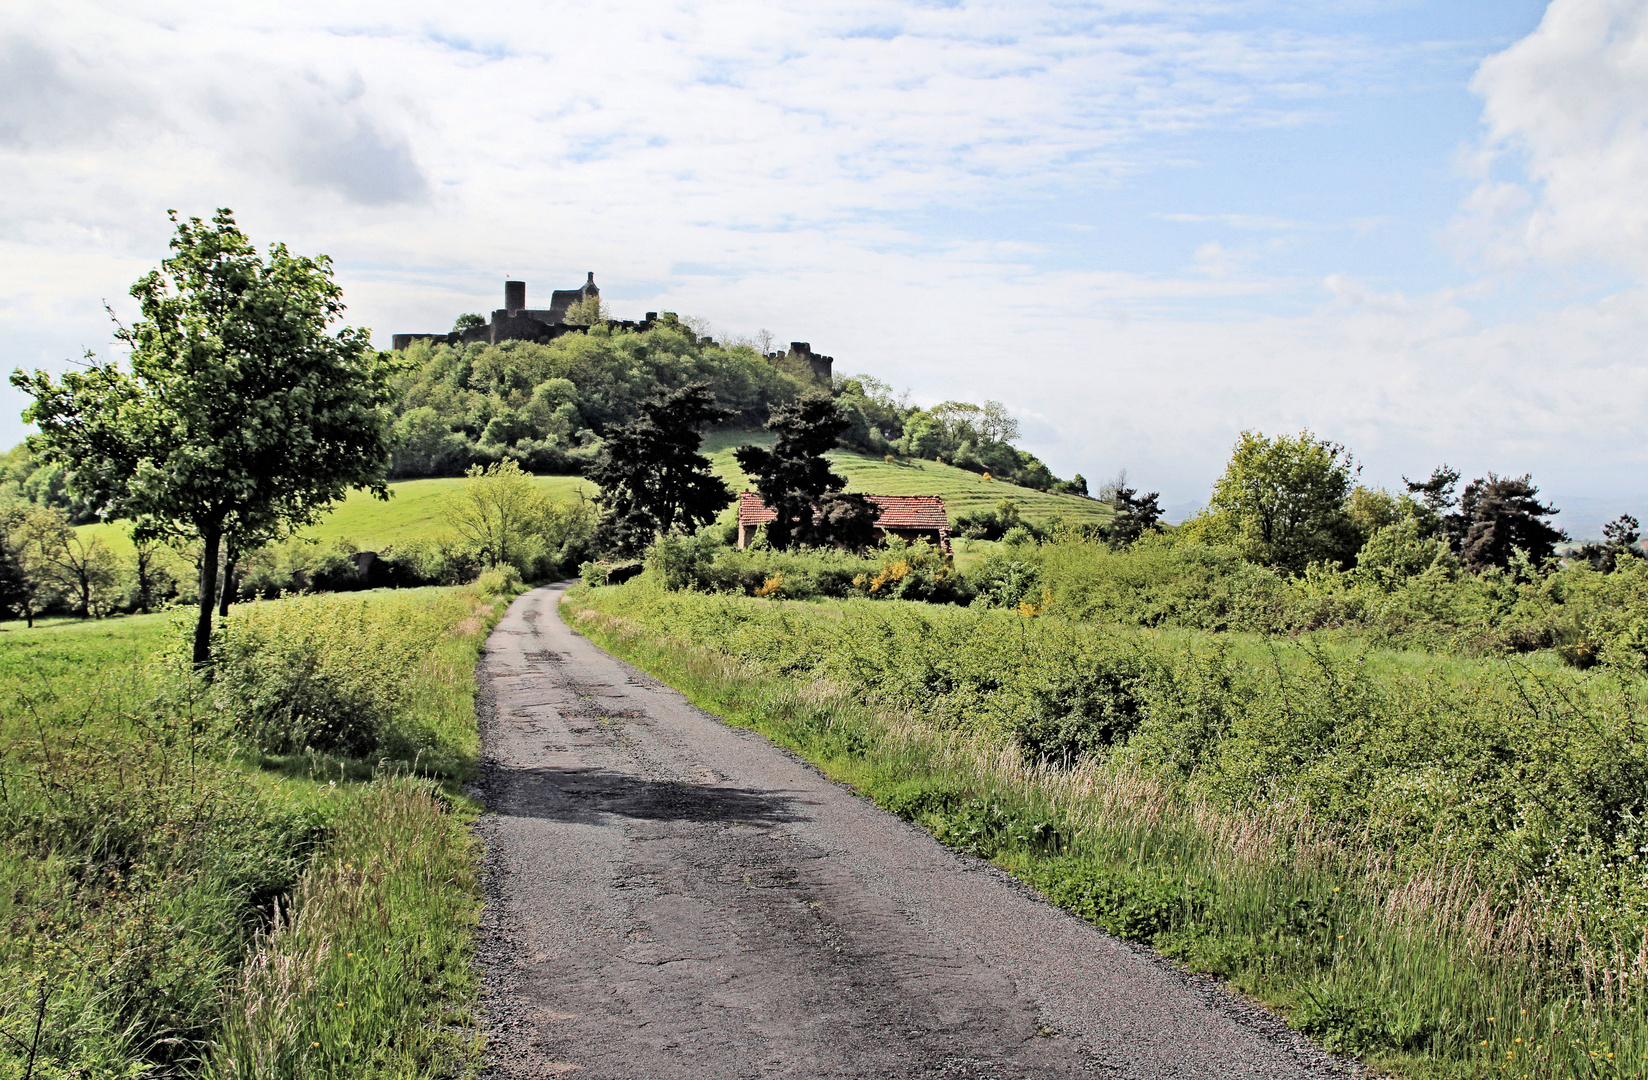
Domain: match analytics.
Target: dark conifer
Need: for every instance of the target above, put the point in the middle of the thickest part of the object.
(796, 482)
(652, 477)
(1504, 515)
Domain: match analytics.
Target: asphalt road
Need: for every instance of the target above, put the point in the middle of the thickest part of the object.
(671, 897)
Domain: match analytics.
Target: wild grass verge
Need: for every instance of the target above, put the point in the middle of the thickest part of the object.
(1448, 955)
(181, 895)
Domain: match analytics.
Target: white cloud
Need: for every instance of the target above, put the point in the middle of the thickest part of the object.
(1567, 106)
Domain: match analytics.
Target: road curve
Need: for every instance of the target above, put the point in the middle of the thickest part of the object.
(670, 897)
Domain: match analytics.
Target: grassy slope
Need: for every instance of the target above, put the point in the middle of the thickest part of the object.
(964, 492)
(414, 511)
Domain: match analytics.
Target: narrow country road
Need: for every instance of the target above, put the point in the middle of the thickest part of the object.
(669, 897)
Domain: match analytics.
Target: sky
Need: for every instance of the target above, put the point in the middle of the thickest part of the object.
(1417, 229)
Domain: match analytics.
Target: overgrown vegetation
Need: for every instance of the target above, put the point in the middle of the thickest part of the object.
(1432, 861)
(264, 875)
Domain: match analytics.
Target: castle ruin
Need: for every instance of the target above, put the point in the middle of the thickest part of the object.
(517, 322)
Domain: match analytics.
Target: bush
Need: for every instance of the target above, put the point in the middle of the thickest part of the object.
(1004, 581)
(684, 562)
(1081, 714)
(331, 675)
(498, 581)
(913, 571)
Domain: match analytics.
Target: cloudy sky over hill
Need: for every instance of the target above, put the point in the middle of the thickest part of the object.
(1417, 228)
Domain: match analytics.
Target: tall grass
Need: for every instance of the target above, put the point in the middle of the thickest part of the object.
(339, 984)
(159, 859)
(1436, 869)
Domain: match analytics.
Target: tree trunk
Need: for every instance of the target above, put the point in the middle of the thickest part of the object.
(208, 597)
(228, 587)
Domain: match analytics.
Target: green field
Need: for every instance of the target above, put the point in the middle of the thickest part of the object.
(413, 511)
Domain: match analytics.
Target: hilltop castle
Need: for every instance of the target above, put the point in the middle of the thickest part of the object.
(517, 322)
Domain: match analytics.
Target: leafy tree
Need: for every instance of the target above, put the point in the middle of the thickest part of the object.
(1504, 516)
(586, 312)
(467, 321)
(1076, 485)
(793, 477)
(498, 513)
(1135, 516)
(652, 477)
(35, 536)
(242, 418)
(23, 591)
(152, 579)
(84, 573)
(991, 524)
(1282, 500)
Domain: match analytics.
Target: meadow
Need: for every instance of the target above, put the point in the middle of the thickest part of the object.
(413, 514)
(1431, 860)
(268, 874)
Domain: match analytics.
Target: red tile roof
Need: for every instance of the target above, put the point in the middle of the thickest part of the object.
(912, 512)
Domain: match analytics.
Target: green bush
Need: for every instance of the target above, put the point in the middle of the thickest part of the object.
(498, 581)
(913, 571)
(330, 674)
(1002, 580)
(1081, 714)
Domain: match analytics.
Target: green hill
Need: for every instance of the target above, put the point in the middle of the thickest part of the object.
(414, 510)
(964, 492)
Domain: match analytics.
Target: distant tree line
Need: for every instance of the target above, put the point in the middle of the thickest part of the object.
(1292, 502)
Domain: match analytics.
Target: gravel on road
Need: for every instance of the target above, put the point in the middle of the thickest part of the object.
(671, 897)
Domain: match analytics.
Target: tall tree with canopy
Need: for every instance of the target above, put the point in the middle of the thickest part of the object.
(241, 418)
(796, 482)
(652, 477)
(1282, 500)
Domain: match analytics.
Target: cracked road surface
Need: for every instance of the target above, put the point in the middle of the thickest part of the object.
(671, 897)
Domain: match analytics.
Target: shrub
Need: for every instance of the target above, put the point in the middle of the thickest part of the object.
(329, 674)
(1004, 581)
(683, 562)
(1081, 714)
(498, 581)
(913, 571)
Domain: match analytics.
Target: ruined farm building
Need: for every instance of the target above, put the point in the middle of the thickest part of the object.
(910, 517)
